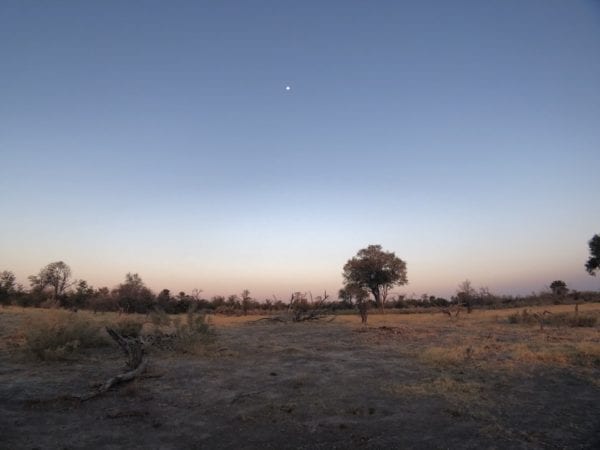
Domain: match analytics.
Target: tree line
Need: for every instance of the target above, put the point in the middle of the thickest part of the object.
(369, 278)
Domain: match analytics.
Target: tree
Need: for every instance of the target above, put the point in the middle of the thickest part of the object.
(83, 293)
(360, 296)
(7, 286)
(164, 299)
(246, 301)
(375, 270)
(465, 295)
(56, 275)
(559, 288)
(133, 295)
(593, 263)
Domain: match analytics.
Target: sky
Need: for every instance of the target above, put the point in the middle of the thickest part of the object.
(159, 138)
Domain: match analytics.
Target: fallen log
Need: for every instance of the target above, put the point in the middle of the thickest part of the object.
(133, 349)
(127, 376)
(271, 319)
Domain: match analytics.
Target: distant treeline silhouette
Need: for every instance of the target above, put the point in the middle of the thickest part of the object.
(53, 286)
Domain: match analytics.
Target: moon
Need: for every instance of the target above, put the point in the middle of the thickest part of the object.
(288, 88)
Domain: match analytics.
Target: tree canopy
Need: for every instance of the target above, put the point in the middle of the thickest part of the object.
(376, 270)
(133, 295)
(56, 275)
(559, 288)
(593, 263)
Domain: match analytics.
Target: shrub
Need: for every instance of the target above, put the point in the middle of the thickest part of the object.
(159, 318)
(522, 317)
(194, 333)
(103, 303)
(61, 336)
(129, 327)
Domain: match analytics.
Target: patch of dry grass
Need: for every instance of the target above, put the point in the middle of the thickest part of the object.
(447, 356)
(60, 335)
(586, 354)
(460, 393)
(570, 319)
(192, 335)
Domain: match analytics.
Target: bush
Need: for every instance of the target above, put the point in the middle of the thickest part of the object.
(129, 327)
(61, 336)
(159, 318)
(195, 332)
(522, 317)
(103, 303)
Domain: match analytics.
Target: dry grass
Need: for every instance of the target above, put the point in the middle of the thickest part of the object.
(447, 356)
(570, 319)
(487, 339)
(445, 386)
(502, 385)
(55, 334)
(483, 337)
(60, 335)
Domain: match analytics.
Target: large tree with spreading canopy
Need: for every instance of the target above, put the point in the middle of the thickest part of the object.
(375, 270)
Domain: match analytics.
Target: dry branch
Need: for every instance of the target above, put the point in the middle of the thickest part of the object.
(133, 349)
(271, 319)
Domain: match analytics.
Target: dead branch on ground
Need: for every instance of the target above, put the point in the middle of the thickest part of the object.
(133, 349)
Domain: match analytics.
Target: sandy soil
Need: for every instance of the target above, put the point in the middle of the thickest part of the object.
(418, 381)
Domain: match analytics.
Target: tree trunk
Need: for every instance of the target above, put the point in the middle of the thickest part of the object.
(363, 311)
(378, 299)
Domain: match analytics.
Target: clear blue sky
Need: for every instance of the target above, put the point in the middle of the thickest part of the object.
(159, 138)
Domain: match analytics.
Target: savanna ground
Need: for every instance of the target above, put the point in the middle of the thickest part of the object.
(405, 381)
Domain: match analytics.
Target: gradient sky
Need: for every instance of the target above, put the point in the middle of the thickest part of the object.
(159, 138)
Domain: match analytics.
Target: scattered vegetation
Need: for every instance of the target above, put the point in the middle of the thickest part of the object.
(129, 327)
(368, 279)
(558, 319)
(61, 335)
(194, 333)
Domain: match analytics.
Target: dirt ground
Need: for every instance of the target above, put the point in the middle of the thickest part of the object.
(406, 381)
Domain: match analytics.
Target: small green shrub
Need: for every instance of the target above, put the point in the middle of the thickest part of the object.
(61, 336)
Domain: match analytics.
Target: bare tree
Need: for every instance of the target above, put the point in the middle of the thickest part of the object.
(246, 301)
(56, 275)
(465, 295)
